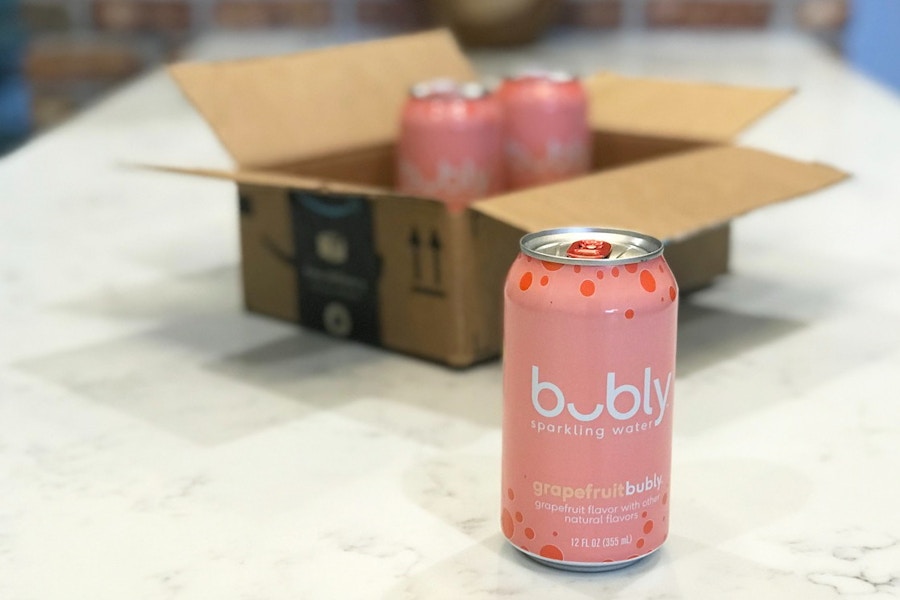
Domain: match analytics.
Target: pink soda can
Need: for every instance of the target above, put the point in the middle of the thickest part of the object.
(451, 143)
(547, 136)
(588, 391)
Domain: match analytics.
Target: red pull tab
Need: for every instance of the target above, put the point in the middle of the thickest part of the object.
(589, 249)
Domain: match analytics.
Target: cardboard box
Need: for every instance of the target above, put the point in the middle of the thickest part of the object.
(326, 243)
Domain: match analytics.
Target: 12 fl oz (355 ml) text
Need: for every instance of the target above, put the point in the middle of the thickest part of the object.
(600, 542)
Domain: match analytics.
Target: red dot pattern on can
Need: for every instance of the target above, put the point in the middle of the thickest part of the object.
(551, 266)
(525, 280)
(508, 525)
(589, 285)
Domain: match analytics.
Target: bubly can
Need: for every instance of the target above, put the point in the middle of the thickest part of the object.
(547, 137)
(450, 144)
(588, 391)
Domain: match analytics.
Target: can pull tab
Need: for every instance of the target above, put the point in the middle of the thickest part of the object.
(589, 249)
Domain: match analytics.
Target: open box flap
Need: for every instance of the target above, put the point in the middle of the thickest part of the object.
(669, 198)
(676, 109)
(273, 178)
(287, 108)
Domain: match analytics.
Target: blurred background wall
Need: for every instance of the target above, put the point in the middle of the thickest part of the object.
(56, 56)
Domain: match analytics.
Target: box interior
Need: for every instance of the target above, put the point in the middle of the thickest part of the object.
(375, 166)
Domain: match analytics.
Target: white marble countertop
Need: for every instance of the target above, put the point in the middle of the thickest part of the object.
(156, 441)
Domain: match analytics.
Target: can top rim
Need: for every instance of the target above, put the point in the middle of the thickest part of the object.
(469, 90)
(553, 76)
(627, 246)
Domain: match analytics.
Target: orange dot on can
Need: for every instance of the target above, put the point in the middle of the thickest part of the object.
(529, 533)
(510, 494)
(551, 551)
(665, 497)
(525, 280)
(644, 515)
(599, 274)
(672, 292)
(587, 288)
(545, 280)
(631, 267)
(520, 517)
(506, 524)
(555, 533)
(629, 314)
(640, 543)
(551, 266)
(615, 271)
(648, 526)
(648, 281)
(577, 268)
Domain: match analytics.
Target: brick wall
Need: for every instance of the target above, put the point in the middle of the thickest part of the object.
(78, 49)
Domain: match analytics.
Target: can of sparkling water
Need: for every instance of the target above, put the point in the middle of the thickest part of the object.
(450, 143)
(546, 133)
(588, 390)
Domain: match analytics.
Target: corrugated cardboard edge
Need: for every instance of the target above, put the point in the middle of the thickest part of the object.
(271, 178)
(701, 111)
(671, 198)
(283, 109)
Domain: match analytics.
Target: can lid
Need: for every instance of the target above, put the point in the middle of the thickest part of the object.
(625, 247)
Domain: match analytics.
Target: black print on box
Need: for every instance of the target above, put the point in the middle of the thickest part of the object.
(425, 251)
(337, 268)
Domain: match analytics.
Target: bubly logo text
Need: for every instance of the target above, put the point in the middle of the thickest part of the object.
(622, 401)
